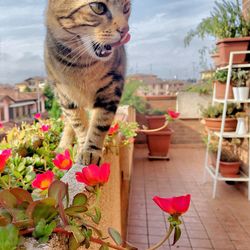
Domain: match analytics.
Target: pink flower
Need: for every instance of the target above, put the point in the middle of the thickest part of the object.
(175, 205)
(63, 161)
(4, 156)
(1, 125)
(93, 175)
(173, 114)
(45, 128)
(113, 130)
(43, 181)
(37, 116)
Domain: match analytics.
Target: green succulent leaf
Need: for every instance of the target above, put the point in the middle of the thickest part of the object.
(80, 200)
(58, 190)
(73, 244)
(104, 247)
(7, 199)
(115, 235)
(75, 210)
(21, 195)
(9, 237)
(44, 230)
(97, 217)
(78, 235)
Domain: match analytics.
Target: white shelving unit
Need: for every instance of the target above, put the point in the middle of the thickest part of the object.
(213, 171)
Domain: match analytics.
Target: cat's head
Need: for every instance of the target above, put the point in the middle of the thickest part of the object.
(101, 25)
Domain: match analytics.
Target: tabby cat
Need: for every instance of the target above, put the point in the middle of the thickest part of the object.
(86, 60)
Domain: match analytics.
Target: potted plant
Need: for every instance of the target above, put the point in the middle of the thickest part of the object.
(159, 139)
(213, 117)
(220, 79)
(155, 118)
(240, 90)
(229, 161)
(228, 25)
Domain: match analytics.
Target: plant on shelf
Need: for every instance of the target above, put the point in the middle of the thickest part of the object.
(230, 163)
(220, 80)
(240, 89)
(227, 24)
(213, 116)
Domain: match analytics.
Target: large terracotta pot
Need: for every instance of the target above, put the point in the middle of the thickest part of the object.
(214, 124)
(227, 45)
(159, 142)
(156, 121)
(221, 90)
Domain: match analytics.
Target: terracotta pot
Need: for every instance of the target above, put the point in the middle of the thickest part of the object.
(156, 121)
(214, 124)
(227, 169)
(159, 142)
(227, 45)
(221, 90)
(216, 59)
(230, 169)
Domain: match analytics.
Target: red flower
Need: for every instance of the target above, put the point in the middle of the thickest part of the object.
(4, 156)
(113, 130)
(173, 114)
(45, 128)
(38, 116)
(1, 125)
(43, 181)
(63, 161)
(175, 205)
(93, 175)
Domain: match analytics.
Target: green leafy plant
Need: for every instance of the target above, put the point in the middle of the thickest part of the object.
(9, 237)
(226, 21)
(203, 88)
(216, 111)
(240, 77)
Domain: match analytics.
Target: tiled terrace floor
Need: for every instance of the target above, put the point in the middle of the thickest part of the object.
(222, 223)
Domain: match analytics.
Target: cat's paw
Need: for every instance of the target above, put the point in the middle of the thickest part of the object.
(86, 158)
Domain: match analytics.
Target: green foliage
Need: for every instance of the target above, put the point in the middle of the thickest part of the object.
(43, 230)
(203, 88)
(221, 76)
(129, 96)
(216, 111)
(240, 77)
(155, 112)
(56, 110)
(48, 92)
(115, 235)
(226, 21)
(9, 237)
(32, 152)
(128, 131)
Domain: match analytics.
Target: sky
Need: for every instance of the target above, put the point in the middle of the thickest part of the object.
(158, 28)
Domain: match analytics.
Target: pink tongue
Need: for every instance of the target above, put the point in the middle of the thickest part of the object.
(125, 40)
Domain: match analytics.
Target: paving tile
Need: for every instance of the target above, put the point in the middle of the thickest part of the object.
(197, 234)
(223, 244)
(201, 243)
(137, 230)
(137, 238)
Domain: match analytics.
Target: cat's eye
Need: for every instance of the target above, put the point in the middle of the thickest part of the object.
(126, 8)
(99, 8)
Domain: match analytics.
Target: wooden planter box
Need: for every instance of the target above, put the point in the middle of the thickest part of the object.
(227, 45)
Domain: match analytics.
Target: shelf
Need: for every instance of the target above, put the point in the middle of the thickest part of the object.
(231, 101)
(231, 135)
(246, 65)
(242, 178)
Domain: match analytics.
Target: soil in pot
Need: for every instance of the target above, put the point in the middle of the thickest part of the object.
(227, 45)
(221, 91)
(214, 124)
(156, 121)
(159, 143)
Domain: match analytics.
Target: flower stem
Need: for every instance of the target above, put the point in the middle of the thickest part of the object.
(164, 240)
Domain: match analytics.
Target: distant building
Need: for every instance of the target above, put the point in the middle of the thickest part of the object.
(18, 106)
(154, 86)
(32, 84)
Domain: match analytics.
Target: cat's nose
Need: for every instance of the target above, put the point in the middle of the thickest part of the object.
(123, 31)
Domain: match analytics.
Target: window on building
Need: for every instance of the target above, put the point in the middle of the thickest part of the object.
(2, 117)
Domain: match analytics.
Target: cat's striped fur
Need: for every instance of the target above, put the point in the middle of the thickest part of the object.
(82, 79)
